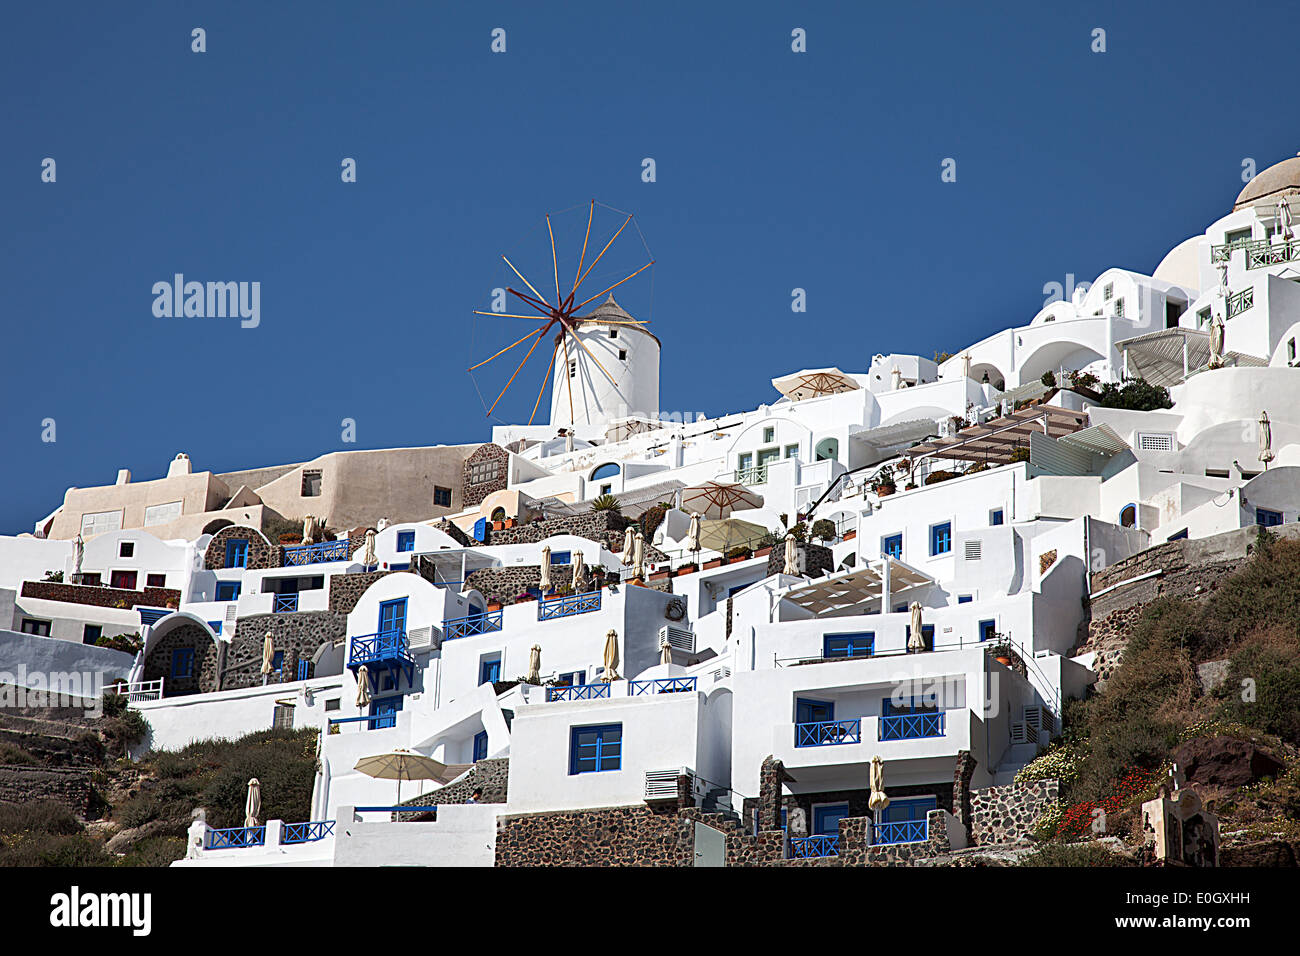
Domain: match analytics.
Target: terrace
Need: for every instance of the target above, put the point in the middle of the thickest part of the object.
(302, 555)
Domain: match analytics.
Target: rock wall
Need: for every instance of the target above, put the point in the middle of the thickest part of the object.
(203, 677)
(814, 559)
(1007, 814)
(66, 786)
(261, 553)
(97, 596)
(298, 635)
(473, 493)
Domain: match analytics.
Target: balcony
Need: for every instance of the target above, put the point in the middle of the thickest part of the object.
(315, 553)
(803, 848)
(237, 837)
(911, 726)
(549, 609)
(907, 831)
(578, 692)
(388, 649)
(1240, 302)
(472, 625)
(828, 733)
(661, 685)
(140, 690)
(755, 475)
(293, 833)
(1259, 252)
(285, 603)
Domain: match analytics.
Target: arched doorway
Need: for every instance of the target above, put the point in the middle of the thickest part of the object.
(828, 449)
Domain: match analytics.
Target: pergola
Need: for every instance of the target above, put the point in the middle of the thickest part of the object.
(1168, 356)
(995, 440)
(878, 580)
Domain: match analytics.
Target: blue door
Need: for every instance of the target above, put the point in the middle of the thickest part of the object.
(392, 617)
(385, 712)
(813, 711)
(826, 819)
(480, 746)
(489, 671)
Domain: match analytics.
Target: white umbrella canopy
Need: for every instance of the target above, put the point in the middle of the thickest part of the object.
(878, 801)
(717, 499)
(363, 686)
(1265, 439)
(535, 664)
(579, 572)
(1216, 341)
(665, 653)
(814, 383)
(401, 765)
(638, 556)
(545, 582)
(693, 535)
(791, 556)
(916, 640)
(611, 656)
(629, 540)
(723, 534)
(253, 805)
(368, 556)
(268, 654)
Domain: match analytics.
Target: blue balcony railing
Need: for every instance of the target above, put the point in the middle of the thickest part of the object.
(911, 726)
(802, 848)
(907, 831)
(304, 670)
(376, 648)
(661, 685)
(285, 603)
(578, 692)
(825, 733)
(239, 836)
(396, 813)
(484, 623)
(377, 722)
(306, 832)
(316, 553)
(548, 609)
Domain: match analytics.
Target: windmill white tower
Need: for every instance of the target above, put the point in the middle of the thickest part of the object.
(612, 374)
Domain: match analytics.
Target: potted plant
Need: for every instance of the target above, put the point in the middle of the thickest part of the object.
(494, 602)
(660, 575)
(1001, 650)
(823, 529)
(524, 596)
(741, 553)
(883, 484)
(714, 563)
(687, 569)
(291, 538)
(509, 523)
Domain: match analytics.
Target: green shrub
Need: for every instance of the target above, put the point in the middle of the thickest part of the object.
(1269, 668)
(155, 851)
(15, 755)
(823, 529)
(605, 503)
(1136, 395)
(38, 816)
(1075, 854)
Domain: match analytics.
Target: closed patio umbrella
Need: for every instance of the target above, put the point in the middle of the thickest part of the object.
(1265, 439)
(78, 554)
(253, 805)
(368, 556)
(535, 664)
(1216, 342)
(611, 656)
(791, 556)
(363, 687)
(965, 365)
(665, 653)
(579, 573)
(878, 801)
(1284, 220)
(916, 640)
(401, 765)
(268, 656)
(638, 556)
(545, 583)
(693, 535)
(629, 539)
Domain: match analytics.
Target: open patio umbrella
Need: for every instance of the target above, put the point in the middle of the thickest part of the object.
(717, 499)
(878, 801)
(545, 583)
(791, 556)
(611, 656)
(1265, 439)
(268, 656)
(253, 805)
(916, 640)
(814, 383)
(693, 535)
(638, 556)
(363, 687)
(535, 664)
(723, 534)
(399, 765)
(665, 653)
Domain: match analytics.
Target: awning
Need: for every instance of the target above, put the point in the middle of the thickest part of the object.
(887, 438)
(814, 383)
(1167, 356)
(1099, 439)
(851, 589)
(995, 440)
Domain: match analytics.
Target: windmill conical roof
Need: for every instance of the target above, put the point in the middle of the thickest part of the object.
(609, 309)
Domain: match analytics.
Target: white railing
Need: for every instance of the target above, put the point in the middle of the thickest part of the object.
(140, 690)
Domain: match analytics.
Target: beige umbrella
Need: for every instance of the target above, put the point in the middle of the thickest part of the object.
(401, 765)
(1216, 341)
(1265, 439)
(368, 556)
(268, 656)
(791, 556)
(78, 554)
(723, 534)
(665, 653)
(965, 365)
(611, 656)
(916, 640)
(896, 378)
(363, 687)
(814, 383)
(693, 535)
(535, 664)
(253, 805)
(545, 583)
(878, 801)
(717, 499)
(1284, 220)
(629, 539)
(309, 530)
(579, 573)
(638, 556)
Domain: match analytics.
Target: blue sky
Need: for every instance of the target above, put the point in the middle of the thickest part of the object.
(775, 170)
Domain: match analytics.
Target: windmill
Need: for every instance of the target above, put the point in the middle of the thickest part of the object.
(597, 361)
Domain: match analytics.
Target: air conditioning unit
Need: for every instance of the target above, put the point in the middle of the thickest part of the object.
(662, 784)
(683, 639)
(972, 549)
(424, 638)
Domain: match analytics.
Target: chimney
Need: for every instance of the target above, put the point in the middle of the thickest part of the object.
(124, 476)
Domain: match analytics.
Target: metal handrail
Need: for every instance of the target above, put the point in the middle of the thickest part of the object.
(904, 831)
(661, 685)
(753, 475)
(578, 692)
(285, 603)
(378, 646)
(472, 625)
(827, 733)
(140, 690)
(802, 848)
(548, 609)
(306, 832)
(236, 837)
(301, 555)
(911, 726)
(376, 721)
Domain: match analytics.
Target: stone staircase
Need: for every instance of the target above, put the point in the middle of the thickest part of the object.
(1016, 756)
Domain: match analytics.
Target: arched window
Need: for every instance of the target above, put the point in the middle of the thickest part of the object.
(608, 470)
(828, 448)
(498, 514)
(1128, 516)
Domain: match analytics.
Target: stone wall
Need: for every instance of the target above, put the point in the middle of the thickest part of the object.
(346, 589)
(472, 495)
(509, 583)
(64, 785)
(815, 559)
(298, 635)
(158, 664)
(97, 596)
(1007, 814)
(261, 553)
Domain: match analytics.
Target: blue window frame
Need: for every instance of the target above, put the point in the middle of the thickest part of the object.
(480, 746)
(183, 662)
(406, 541)
(595, 749)
(392, 616)
(573, 679)
(386, 710)
(911, 707)
(489, 671)
(927, 634)
(228, 590)
(561, 557)
(826, 819)
(1267, 518)
(892, 545)
(237, 553)
(900, 608)
(940, 538)
(216, 626)
(988, 629)
(856, 644)
(404, 566)
(908, 809)
(964, 598)
(808, 711)
(1178, 535)
(277, 661)
(995, 516)
(605, 471)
